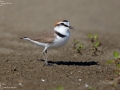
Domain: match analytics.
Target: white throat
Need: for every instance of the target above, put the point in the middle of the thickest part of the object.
(63, 30)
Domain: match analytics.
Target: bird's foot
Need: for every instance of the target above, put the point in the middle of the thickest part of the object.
(47, 64)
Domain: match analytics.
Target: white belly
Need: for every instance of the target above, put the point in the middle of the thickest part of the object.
(58, 42)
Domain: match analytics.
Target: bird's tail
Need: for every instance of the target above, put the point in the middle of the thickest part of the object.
(25, 38)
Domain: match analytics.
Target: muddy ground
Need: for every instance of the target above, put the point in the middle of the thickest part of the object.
(21, 66)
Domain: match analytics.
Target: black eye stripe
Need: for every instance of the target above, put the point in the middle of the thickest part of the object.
(63, 25)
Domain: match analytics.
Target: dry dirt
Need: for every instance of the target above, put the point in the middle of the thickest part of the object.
(21, 67)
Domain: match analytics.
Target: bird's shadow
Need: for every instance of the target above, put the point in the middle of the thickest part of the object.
(72, 63)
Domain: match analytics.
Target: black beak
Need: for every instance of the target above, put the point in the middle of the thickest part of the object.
(70, 27)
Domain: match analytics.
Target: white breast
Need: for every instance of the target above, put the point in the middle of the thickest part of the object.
(59, 41)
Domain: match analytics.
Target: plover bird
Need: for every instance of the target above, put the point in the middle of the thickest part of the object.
(55, 38)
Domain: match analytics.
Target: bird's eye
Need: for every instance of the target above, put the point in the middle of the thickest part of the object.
(62, 24)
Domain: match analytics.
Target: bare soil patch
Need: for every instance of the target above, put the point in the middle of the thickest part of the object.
(21, 63)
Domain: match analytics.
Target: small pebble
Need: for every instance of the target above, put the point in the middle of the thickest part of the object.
(43, 80)
(80, 79)
(20, 84)
(86, 85)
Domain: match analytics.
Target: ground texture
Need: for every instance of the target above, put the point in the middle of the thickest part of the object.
(21, 64)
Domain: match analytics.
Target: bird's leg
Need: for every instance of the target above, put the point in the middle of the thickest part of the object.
(46, 62)
(45, 55)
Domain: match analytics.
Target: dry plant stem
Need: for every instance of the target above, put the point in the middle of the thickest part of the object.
(117, 61)
(75, 45)
(92, 40)
(79, 51)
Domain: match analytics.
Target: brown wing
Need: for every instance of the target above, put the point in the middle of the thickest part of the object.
(46, 37)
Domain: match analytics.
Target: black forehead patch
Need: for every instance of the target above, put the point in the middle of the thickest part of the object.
(65, 21)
